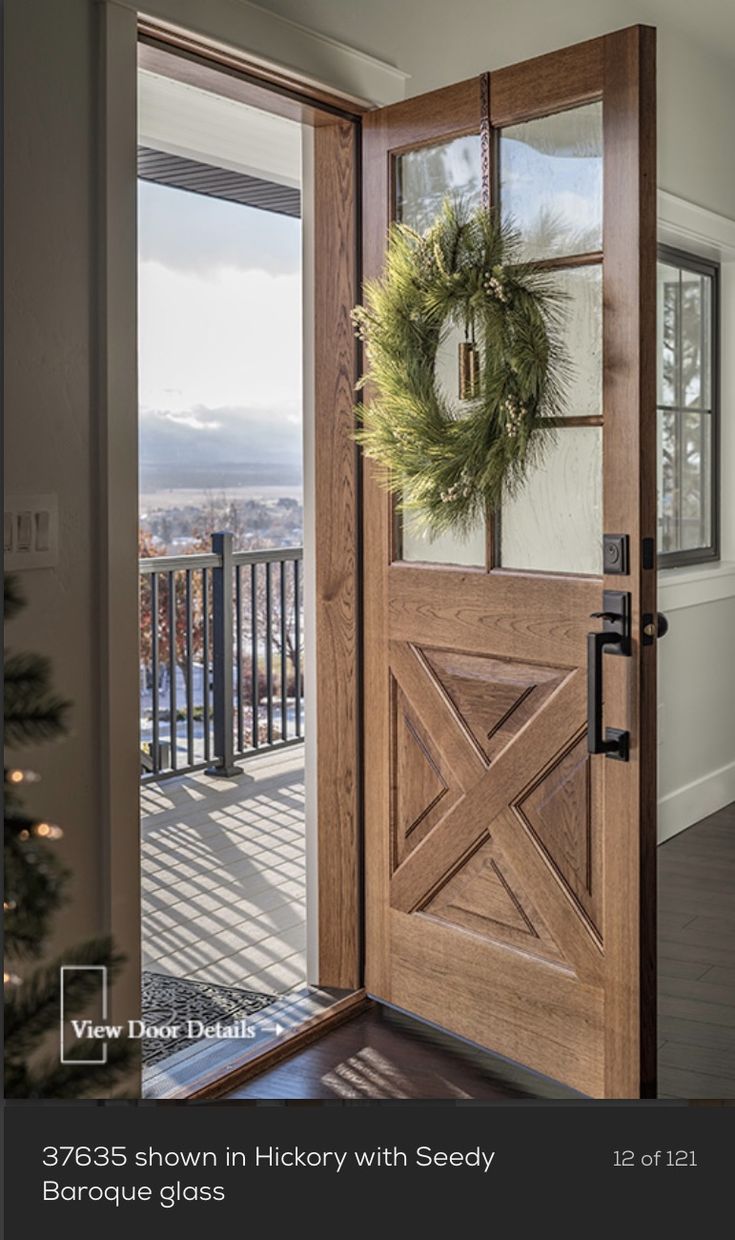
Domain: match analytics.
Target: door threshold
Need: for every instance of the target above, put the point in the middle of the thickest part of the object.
(209, 1069)
(513, 1071)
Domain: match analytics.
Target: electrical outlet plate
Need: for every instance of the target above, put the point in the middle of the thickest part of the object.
(30, 532)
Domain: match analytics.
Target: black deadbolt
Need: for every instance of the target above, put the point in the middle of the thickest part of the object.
(615, 553)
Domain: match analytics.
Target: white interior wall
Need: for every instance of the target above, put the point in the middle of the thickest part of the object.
(50, 441)
(696, 691)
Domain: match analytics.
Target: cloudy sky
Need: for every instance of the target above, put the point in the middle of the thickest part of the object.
(220, 294)
(219, 325)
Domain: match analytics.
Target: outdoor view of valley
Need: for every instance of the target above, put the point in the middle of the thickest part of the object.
(260, 506)
(222, 679)
(220, 452)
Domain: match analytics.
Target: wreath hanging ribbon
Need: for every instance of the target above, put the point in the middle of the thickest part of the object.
(453, 466)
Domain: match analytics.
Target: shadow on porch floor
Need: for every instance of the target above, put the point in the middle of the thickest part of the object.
(223, 875)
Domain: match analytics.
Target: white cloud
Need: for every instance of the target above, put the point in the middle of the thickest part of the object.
(192, 232)
(194, 421)
(229, 337)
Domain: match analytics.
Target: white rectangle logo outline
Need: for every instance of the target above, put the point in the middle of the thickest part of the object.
(68, 968)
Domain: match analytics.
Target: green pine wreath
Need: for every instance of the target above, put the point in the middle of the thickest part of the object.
(449, 466)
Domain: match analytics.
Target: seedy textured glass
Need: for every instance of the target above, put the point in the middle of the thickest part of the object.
(551, 182)
(582, 338)
(423, 179)
(554, 523)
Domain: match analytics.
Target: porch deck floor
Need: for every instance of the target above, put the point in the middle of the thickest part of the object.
(223, 875)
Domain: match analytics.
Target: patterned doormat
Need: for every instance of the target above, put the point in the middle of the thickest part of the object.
(174, 1001)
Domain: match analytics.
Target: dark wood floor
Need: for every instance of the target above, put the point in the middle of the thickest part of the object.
(380, 1054)
(696, 960)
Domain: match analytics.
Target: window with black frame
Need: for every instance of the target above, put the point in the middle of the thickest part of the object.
(688, 412)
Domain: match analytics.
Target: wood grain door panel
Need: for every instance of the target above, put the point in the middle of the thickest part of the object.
(510, 884)
(501, 998)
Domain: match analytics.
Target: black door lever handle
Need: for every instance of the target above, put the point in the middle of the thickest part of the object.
(610, 741)
(614, 639)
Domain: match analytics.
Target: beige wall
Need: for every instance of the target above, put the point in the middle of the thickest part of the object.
(50, 433)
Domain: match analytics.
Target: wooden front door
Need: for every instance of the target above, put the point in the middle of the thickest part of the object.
(510, 890)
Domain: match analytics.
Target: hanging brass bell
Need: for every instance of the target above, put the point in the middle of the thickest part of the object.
(469, 370)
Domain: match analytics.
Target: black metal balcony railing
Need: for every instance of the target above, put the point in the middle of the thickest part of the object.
(221, 657)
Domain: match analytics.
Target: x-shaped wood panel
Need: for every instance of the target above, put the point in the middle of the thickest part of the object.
(484, 807)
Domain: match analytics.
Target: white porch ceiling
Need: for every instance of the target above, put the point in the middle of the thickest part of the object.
(196, 124)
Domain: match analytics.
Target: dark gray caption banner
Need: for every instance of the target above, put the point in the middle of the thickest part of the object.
(133, 1169)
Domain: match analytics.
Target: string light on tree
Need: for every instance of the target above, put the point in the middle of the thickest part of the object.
(35, 882)
(16, 776)
(47, 831)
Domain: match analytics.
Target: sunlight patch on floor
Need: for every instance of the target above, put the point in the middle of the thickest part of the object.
(223, 873)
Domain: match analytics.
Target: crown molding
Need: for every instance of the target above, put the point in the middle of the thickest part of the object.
(689, 224)
(276, 42)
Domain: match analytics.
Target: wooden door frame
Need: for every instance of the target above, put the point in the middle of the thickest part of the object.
(338, 594)
(115, 482)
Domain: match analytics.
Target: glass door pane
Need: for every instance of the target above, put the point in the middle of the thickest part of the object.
(551, 190)
(551, 182)
(554, 524)
(423, 179)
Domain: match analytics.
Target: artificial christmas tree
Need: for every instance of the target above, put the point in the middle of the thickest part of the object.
(35, 887)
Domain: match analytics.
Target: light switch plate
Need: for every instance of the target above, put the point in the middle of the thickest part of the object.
(31, 531)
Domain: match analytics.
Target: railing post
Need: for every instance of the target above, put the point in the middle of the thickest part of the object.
(222, 663)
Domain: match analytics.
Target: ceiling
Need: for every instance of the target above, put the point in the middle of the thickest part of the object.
(198, 125)
(711, 23)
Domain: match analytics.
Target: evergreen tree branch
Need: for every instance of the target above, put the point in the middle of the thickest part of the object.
(13, 598)
(34, 1008)
(69, 1080)
(34, 888)
(32, 712)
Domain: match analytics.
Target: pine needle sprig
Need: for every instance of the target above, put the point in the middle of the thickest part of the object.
(32, 711)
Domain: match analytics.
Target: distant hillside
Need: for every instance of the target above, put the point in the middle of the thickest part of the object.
(214, 448)
(217, 477)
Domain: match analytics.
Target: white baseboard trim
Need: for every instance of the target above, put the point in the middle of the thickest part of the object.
(685, 806)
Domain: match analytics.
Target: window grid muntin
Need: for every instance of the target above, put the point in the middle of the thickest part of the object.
(706, 408)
